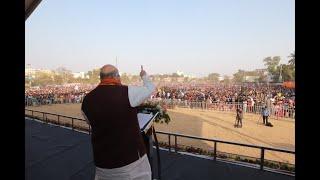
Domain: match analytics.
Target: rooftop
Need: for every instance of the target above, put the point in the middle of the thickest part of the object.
(53, 152)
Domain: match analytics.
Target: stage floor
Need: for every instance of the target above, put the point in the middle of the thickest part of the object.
(58, 153)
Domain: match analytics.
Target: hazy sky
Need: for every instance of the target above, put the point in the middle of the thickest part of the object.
(193, 36)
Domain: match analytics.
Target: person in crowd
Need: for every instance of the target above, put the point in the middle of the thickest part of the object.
(239, 117)
(265, 115)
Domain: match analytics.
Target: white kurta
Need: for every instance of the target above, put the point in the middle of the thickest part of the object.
(140, 169)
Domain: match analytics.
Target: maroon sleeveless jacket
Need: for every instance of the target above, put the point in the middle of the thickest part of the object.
(116, 138)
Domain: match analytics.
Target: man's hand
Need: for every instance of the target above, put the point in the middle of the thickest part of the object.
(142, 73)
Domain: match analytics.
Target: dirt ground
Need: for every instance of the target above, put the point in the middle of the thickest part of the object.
(213, 124)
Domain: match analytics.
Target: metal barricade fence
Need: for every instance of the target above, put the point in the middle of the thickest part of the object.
(277, 113)
(47, 101)
(231, 107)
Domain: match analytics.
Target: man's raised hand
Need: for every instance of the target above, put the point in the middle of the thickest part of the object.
(142, 72)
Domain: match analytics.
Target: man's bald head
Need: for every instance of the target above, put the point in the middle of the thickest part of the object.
(109, 71)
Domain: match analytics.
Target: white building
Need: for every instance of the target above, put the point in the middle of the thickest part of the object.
(262, 71)
(251, 78)
(180, 73)
(31, 72)
(81, 75)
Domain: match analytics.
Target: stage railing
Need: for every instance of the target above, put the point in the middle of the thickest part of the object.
(57, 121)
(44, 117)
(216, 141)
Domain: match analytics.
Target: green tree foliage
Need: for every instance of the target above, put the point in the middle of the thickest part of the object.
(213, 77)
(272, 64)
(292, 60)
(94, 76)
(262, 78)
(226, 79)
(135, 78)
(239, 76)
(292, 64)
(58, 79)
(65, 74)
(288, 73)
(42, 79)
(287, 70)
(125, 79)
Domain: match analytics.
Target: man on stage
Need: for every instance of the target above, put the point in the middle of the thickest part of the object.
(118, 148)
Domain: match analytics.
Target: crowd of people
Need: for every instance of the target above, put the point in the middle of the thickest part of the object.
(72, 93)
(250, 97)
(280, 100)
(227, 94)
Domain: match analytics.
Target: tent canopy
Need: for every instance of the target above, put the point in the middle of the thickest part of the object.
(289, 84)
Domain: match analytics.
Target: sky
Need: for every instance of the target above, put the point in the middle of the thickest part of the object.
(197, 37)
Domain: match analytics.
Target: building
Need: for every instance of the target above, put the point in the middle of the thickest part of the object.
(262, 71)
(81, 75)
(31, 72)
(251, 78)
(180, 73)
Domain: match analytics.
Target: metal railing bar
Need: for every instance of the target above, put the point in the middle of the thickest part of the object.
(226, 142)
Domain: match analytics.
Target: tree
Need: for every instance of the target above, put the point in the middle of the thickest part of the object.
(262, 78)
(214, 77)
(288, 72)
(292, 59)
(239, 76)
(61, 70)
(94, 76)
(226, 79)
(273, 66)
(292, 64)
(66, 74)
(272, 63)
(135, 78)
(42, 79)
(58, 79)
(124, 78)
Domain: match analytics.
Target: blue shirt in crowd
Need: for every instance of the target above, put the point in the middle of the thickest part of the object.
(265, 112)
